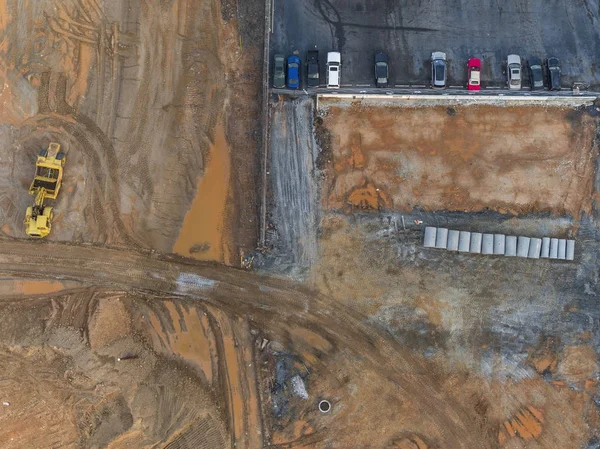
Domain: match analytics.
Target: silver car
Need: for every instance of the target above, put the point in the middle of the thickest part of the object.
(279, 72)
(513, 65)
(438, 70)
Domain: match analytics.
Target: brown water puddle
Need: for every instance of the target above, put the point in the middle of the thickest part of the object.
(29, 287)
(203, 235)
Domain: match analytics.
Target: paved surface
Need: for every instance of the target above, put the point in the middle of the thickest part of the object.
(410, 30)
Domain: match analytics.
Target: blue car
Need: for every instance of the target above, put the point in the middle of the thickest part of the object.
(293, 72)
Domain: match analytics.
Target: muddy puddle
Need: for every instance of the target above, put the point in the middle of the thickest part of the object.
(203, 235)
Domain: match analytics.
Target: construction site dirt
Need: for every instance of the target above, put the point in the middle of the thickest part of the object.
(140, 96)
(366, 180)
(149, 319)
(460, 158)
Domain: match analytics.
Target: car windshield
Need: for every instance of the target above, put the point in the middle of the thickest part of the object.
(382, 80)
(293, 65)
(333, 69)
(515, 82)
(439, 73)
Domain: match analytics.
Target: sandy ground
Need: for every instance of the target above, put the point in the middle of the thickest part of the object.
(144, 97)
(508, 159)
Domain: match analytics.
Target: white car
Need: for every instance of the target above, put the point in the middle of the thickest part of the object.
(513, 65)
(334, 67)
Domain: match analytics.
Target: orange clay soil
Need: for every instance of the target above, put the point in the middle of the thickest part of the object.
(508, 159)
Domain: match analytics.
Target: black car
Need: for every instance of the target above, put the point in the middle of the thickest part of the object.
(312, 68)
(381, 70)
(553, 64)
(536, 76)
(279, 72)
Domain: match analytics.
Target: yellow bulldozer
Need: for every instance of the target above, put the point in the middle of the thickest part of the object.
(46, 184)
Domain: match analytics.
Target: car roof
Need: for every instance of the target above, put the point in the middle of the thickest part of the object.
(334, 77)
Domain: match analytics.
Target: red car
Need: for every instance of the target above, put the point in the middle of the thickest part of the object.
(474, 72)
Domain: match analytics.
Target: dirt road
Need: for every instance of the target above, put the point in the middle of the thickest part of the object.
(276, 307)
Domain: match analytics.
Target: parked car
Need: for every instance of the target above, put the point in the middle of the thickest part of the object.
(438, 70)
(312, 68)
(474, 74)
(293, 72)
(381, 70)
(513, 65)
(278, 72)
(553, 64)
(536, 76)
(334, 69)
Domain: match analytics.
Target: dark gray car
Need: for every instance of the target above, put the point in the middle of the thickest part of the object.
(381, 70)
(438, 70)
(536, 75)
(279, 72)
(553, 64)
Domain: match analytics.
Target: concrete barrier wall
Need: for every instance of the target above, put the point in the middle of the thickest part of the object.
(493, 99)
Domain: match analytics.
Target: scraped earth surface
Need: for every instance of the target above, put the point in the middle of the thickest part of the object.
(121, 344)
(514, 340)
(145, 99)
(459, 158)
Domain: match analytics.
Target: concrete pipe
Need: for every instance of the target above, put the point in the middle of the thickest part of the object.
(499, 244)
(511, 246)
(429, 239)
(487, 244)
(545, 247)
(324, 406)
(464, 241)
(475, 243)
(523, 246)
(441, 238)
(453, 237)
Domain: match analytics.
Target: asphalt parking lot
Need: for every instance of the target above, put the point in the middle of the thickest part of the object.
(410, 30)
